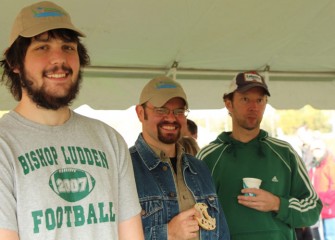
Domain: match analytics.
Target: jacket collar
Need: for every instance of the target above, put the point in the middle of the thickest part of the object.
(151, 159)
(224, 137)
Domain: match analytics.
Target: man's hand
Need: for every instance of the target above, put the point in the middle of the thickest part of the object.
(184, 225)
(263, 201)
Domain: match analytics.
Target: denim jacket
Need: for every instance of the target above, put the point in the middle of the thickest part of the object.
(158, 195)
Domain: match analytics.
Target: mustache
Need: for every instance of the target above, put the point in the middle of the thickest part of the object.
(64, 68)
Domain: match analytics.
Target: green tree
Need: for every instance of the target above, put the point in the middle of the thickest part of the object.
(314, 119)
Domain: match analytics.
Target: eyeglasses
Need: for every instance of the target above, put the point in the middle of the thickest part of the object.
(163, 112)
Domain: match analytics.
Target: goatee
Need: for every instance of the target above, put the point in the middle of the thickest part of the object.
(168, 138)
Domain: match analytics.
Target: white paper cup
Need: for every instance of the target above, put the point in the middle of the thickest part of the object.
(251, 183)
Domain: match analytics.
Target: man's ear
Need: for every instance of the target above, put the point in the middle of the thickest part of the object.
(228, 104)
(140, 112)
(16, 70)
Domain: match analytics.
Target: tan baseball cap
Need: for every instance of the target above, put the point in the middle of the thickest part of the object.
(41, 17)
(160, 90)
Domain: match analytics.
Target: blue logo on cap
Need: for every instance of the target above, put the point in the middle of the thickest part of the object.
(163, 85)
(47, 12)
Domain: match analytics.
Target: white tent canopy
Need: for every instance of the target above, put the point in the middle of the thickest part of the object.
(132, 41)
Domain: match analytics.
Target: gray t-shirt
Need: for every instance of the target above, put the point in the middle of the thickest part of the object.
(68, 182)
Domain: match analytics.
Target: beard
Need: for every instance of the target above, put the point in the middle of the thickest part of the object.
(244, 123)
(47, 101)
(168, 138)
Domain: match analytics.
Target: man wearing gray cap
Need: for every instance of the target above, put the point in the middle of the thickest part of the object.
(170, 183)
(62, 175)
(286, 198)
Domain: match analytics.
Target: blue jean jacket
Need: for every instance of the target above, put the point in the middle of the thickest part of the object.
(158, 195)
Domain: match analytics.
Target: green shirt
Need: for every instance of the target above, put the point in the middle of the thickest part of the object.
(282, 173)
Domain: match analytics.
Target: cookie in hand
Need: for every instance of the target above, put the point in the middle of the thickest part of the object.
(205, 221)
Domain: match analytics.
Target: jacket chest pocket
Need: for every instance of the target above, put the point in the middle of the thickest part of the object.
(152, 213)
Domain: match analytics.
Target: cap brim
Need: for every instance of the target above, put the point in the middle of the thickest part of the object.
(40, 28)
(159, 101)
(252, 85)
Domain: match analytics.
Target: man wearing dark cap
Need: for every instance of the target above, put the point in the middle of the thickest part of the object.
(286, 198)
(170, 182)
(62, 175)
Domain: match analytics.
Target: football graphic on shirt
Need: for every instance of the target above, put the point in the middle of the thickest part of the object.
(71, 184)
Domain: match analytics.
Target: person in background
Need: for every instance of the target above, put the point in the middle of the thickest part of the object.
(191, 130)
(286, 198)
(62, 175)
(170, 182)
(305, 137)
(190, 145)
(189, 138)
(322, 175)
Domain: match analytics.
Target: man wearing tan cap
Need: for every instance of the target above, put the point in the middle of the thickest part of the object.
(286, 198)
(170, 182)
(62, 175)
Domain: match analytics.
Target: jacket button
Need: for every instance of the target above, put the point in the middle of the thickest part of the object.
(172, 194)
(143, 212)
(165, 168)
(211, 199)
